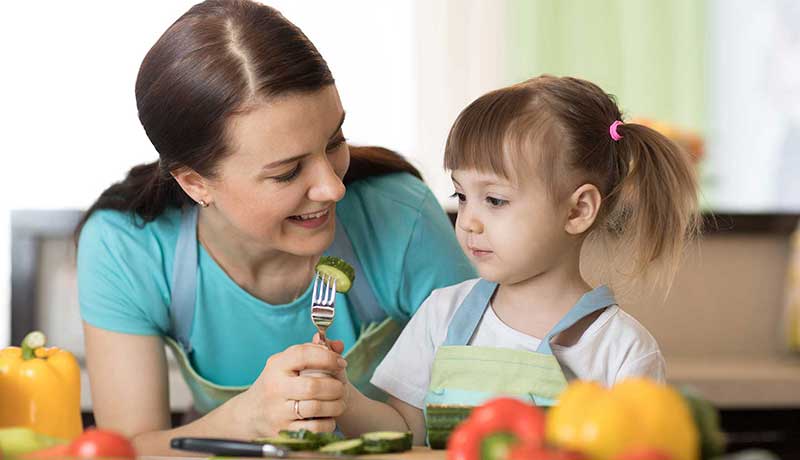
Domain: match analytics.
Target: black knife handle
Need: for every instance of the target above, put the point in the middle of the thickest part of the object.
(218, 446)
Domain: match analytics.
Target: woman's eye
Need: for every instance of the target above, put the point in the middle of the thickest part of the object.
(336, 144)
(461, 197)
(496, 202)
(288, 176)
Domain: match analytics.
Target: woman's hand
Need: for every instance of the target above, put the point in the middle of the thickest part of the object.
(282, 399)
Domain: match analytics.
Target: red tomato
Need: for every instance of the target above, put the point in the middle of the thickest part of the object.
(94, 443)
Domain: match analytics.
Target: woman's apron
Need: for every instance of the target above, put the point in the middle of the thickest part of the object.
(378, 331)
(470, 375)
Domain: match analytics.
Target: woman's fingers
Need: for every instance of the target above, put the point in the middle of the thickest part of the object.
(313, 408)
(323, 388)
(320, 425)
(307, 356)
(335, 345)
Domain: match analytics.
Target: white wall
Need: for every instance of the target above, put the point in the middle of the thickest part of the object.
(68, 117)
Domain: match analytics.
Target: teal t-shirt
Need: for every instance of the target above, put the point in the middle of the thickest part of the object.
(402, 238)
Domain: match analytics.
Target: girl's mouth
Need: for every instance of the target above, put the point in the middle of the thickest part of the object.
(311, 220)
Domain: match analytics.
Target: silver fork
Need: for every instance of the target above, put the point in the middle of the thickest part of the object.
(323, 304)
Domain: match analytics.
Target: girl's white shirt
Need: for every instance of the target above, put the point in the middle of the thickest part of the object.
(613, 347)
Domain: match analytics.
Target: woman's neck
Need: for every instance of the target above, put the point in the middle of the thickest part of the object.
(534, 305)
(271, 275)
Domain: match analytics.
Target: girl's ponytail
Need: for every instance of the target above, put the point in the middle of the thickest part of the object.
(654, 208)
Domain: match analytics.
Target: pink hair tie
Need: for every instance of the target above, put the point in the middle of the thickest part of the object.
(613, 130)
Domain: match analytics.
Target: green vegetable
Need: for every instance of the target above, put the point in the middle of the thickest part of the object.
(441, 420)
(328, 438)
(290, 443)
(382, 442)
(497, 446)
(706, 417)
(346, 447)
(437, 439)
(21, 440)
(300, 434)
(341, 271)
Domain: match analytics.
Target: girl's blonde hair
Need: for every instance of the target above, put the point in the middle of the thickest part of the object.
(559, 127)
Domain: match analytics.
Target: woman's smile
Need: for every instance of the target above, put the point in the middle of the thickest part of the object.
(311, 220)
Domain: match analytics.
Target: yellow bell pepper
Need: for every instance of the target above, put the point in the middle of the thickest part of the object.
(40, 388)
(634, 414)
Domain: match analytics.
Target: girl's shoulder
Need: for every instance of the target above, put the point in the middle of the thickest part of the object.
(439, 308)
(618, 331)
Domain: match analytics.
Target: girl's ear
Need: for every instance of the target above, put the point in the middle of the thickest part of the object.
(584, 204)
(193, 184)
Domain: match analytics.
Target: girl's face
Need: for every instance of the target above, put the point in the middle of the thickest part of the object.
(279, 187)
(510, 231)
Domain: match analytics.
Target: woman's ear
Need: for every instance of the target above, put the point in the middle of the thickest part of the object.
(584, 204)
(193, 184)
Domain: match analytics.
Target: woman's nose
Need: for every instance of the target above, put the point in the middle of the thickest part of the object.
(327, 185)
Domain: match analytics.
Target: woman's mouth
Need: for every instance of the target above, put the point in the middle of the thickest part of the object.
(312, 219)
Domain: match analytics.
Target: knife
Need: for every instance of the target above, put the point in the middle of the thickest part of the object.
(234, 447)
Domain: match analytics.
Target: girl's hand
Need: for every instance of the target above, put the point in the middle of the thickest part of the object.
(269, 404)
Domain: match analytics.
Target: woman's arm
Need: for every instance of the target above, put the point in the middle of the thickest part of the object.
(128, 376)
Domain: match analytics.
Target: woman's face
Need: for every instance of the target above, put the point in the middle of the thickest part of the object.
(279, 186)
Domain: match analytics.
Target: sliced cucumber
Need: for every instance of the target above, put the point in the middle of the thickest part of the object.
(437, 439)
(341, 271)
(346, 447)
(382, 442)
(445, 417)
(299, 434)
(290, 443)
(328, 438)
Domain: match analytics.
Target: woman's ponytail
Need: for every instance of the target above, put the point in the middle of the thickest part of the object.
(146, 192)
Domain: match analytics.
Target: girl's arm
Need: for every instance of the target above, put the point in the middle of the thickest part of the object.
(128, 375)
(363, 415)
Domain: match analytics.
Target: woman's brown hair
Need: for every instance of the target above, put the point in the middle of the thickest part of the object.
(560, 127)
(214, 60)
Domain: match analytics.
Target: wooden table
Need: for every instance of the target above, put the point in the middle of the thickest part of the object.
(417, 453)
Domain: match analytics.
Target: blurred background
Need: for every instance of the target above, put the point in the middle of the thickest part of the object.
(722, 77)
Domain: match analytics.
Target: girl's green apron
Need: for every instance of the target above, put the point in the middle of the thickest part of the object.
(470, 375)
(378, 332)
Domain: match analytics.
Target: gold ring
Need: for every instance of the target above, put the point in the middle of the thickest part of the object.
(297, 410)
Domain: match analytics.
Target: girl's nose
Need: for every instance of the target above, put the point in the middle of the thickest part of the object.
(327, 186)
(468, 222)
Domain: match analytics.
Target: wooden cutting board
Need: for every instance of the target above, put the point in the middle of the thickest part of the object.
(417, 453)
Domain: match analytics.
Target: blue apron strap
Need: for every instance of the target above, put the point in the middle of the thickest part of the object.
(596, 299)
(361, 296)
(469, 313)
(184, 279)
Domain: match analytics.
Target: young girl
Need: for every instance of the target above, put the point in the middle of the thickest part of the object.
(537, 167)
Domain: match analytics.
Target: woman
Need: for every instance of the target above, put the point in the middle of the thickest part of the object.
(212, 248)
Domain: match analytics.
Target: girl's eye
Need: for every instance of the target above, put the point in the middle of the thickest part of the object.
(288, 176)
(461, 197)
(496, 202)
(336, 144)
